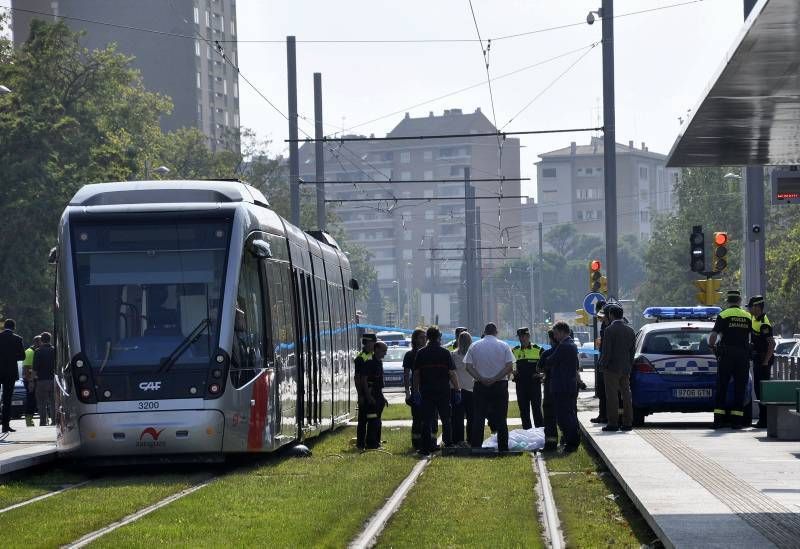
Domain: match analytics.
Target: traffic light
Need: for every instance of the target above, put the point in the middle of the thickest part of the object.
(720, 251)
(595, 276)
(697, 241)
(582, 317)
(708, 293)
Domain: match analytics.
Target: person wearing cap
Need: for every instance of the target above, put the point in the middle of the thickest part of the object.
(763, 350)
(730, 339)
(453, 345)
(527, 379)
(599, 382)
(434, 372)
(490, 362)
(616, 363)
(369, 385)
(367, 349)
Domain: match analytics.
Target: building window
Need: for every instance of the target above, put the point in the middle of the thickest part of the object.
(221, 23)
(405, 176)
(235, 120)
(642, 172)
(208, 51)
(427, 156)
(198, 81)
(407, 235)
(427, 193)
(199, 112)
(226, 118)
(457, 171)
(405, 157)
(233, 28)
(197, 48)
(208, 19)
(549, 172)
(429, 215)
(225, 87)
(428, 175)
(196, 15)
(236, 89)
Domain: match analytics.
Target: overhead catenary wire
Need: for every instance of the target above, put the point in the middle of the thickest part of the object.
(502, 134)
(396, 181)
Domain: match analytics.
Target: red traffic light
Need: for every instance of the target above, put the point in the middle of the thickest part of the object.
(595, 265)
(720, 239)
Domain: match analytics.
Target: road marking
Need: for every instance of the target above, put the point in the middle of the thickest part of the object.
(544, 493)
(43, 496)
(92, 536)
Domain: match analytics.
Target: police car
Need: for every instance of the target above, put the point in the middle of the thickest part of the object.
(393, 367)
(674, 368)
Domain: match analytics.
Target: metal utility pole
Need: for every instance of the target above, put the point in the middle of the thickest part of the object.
(754, 229)
(469, 254)
(541, 274)
(294, 160)
(610, 147)
(319, 152)
(478, 291)
(533, 302)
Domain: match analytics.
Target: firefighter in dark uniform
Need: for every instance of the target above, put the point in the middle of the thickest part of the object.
(733, 325)
(417, 343)
(527, 379)
(369, 384)
(548, 407)
(763, 350)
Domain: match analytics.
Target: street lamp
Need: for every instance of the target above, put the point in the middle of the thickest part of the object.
(397, 285)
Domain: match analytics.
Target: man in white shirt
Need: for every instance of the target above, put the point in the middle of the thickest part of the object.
(490, 362)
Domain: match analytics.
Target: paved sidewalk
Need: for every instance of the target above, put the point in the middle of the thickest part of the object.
(698, 487)
(27, 447)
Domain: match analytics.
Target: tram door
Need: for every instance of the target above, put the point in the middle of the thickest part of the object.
(310, 394)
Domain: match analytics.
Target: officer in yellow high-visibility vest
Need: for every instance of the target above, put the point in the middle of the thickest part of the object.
(453, 345)
(733, 325)
(763, 350)
(28, 380)
(528, 379)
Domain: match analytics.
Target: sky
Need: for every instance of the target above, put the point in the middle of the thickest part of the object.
(665, 59)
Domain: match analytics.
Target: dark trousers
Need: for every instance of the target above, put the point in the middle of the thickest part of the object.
(436, 400)
(618, 388)
(8, 392)
(30, 397)
(733, 363)
(529, 396)
(490, 403)
(462, 413)
(417, 421)
(45, 400)
(550, 424)
(368, 430)
(566, 405)
(761, 373)
(600, 390)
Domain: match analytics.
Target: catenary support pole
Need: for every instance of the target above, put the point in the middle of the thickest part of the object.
(294, 160)
(469, 255)
(539, 280)
(610, 148)
(319, 152)
(754, 230)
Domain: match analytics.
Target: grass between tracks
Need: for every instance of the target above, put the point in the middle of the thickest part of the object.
(463, 502)
(321, 501)
(22, 487)
(66, 517)
(593, 509)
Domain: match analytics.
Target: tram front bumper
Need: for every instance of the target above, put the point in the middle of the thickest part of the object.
(151, 433)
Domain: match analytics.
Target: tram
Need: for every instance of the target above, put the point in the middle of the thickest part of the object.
(193, 321)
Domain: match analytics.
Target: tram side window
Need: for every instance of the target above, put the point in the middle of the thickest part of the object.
(281, 308)
(249, 346)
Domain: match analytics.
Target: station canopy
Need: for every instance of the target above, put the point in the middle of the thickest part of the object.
(750, 114)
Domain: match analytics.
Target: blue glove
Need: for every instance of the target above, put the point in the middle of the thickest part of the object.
(416, 398)
(456, 398)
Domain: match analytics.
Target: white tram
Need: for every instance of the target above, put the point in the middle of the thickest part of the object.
(193, 321)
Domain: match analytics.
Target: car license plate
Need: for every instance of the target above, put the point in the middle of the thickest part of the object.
(394, 378)
(17, 402)
(692, 393)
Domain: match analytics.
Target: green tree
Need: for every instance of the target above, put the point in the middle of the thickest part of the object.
(74, 117)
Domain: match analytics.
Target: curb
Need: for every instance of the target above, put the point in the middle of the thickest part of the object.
(25, 458)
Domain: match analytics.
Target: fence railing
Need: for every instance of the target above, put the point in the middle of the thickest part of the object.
(786, 368)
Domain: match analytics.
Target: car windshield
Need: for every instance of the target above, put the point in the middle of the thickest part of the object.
(395, 354)
(688, 341)
(784, 347)
(143, 288)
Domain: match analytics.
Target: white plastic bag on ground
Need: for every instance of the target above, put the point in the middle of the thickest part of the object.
(526, 440)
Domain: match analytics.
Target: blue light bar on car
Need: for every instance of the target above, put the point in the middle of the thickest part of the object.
(665, 313)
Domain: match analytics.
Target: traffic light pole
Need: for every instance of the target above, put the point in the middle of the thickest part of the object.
(610, 148)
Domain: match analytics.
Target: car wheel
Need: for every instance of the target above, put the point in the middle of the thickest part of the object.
(638, 416)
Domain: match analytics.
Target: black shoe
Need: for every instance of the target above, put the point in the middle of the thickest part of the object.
(626, 428)
(423, 453)
(9, 430)
(599, 419)
(760, 424)
(610, 428)
(716, 425)
(550, 447)
(736, 426)
(569, 449)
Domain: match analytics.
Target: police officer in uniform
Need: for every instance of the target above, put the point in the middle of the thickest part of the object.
(527, 379)
(763, 350)
(733, 325)
(369, 385)
(367, 349)
(548, 407)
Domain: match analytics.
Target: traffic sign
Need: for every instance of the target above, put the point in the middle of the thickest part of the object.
(591, 300)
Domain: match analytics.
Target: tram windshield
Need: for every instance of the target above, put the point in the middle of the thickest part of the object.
(149, 293)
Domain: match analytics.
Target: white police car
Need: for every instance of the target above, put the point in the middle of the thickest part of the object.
(674, 368)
